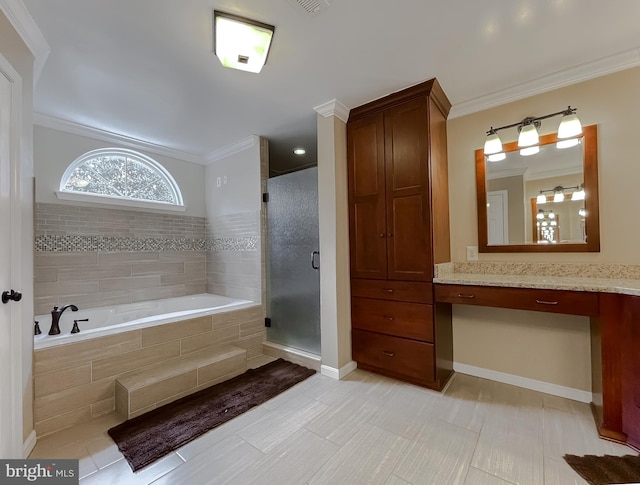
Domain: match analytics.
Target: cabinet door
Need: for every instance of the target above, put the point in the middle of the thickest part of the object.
(367, 228)
(407, 192)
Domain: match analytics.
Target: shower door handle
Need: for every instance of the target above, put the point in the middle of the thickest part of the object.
(313, 259)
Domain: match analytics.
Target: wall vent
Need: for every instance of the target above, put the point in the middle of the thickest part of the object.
(311, 7)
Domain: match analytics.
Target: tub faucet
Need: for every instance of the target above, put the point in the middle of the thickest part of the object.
(55, 318)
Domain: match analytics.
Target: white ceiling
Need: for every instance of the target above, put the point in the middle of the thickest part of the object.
(145, 69)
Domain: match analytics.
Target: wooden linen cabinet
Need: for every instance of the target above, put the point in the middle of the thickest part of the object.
(398, 230)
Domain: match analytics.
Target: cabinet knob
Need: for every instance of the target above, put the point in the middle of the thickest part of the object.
(388, 353)
(382, 235)
(390, 234)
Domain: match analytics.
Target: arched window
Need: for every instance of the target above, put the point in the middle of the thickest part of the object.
(122, 177)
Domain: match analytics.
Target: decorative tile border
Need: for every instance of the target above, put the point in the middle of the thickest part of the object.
(53, 243)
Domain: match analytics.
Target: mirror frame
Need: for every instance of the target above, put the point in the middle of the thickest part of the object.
(592, 219)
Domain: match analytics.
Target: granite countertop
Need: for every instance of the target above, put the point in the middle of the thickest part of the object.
(448, 274)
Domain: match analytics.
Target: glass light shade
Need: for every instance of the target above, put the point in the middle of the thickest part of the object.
(525, 152)
(544, 224)
(528, 136)
(541, 199)
(497, 157)
(552, 215)
(554, 223)
(558, 197)
(299, 151)
(567, 143)
(582, 212)
(540, 214)
(578, 195)
(492, 144)
(569, 126)
(241, 43)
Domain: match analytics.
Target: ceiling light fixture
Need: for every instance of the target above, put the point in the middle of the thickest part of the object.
(241, 43)
(528, 137)
(299, 151)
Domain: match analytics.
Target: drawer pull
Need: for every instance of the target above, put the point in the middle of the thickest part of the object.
(468, 297)
(387, 290)
(543, 302)
(389, 354)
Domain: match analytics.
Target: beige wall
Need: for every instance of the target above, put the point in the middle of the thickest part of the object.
(16, 52)
(55, 150)
(516, 205)
(512, 341)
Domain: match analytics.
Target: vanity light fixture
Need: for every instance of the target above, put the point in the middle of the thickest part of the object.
(528, 137)
(558, 194)
(582, 212)
(497, 157)
(241, 43)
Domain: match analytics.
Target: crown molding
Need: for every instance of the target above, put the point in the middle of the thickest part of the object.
(27, 29)
(583, 72)
(110, 137)
(506, 172)
(237, 147)
(333, 108)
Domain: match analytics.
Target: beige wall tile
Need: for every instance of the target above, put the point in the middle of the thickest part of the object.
(74, 398)
(134, 282)
(121, 399)
(158, 268)
(235, 317)
(209, 339)
(183, 256)
(178, 279)
(253, 342)
(159, 293)
(93, 272)
(136, 359)
(177, 330)
(63, 420)
(251, 327)
(78, 353)
(214, 371)
(45, 275)
(103, 407)
(103, 298)
(66, 288)
(59, 380)
(141, 398)
(128, 257)
(64, 259)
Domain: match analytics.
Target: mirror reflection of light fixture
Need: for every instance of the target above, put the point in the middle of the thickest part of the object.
(558, 194)
(582, 212)
(578, 194)
(241, 43)
(528, 138)
(497, 157)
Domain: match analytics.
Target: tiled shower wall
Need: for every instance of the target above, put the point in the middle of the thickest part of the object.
(95, 257)
(234, 265)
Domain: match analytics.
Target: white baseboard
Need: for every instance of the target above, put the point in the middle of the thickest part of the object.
(29, 444)
(340, 373)
(546, 387)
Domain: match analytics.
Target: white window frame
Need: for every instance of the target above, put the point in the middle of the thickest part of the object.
(64, 194)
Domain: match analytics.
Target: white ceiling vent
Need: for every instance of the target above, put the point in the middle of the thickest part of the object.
(311, 7)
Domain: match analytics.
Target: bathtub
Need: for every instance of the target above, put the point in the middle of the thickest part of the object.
(115, 319)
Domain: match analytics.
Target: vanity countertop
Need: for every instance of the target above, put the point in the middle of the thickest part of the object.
(448, 273)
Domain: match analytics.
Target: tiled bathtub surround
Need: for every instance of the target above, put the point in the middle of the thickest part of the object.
(95, 257)
(76, 382)
(234, 263)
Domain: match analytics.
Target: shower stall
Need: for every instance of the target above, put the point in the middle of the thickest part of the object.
(293, 261)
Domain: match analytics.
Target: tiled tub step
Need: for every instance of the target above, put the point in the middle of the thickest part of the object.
(147, 389)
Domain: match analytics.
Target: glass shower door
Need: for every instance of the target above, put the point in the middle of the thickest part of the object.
(293, 276)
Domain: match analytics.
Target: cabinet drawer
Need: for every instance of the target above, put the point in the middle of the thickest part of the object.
(395, 355)
(402, 319)
(417, 292)
(554, 301)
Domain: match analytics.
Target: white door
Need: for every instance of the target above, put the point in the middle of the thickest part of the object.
(10, 227)
(498, 217)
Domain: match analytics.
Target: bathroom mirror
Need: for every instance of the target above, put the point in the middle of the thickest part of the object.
(512, 215)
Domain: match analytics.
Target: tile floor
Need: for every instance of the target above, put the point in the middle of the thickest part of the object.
(364, 429)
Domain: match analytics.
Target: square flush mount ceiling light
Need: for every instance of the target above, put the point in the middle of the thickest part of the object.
(241, 43)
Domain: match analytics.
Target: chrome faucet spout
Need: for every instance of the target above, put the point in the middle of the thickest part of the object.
(55, 318)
